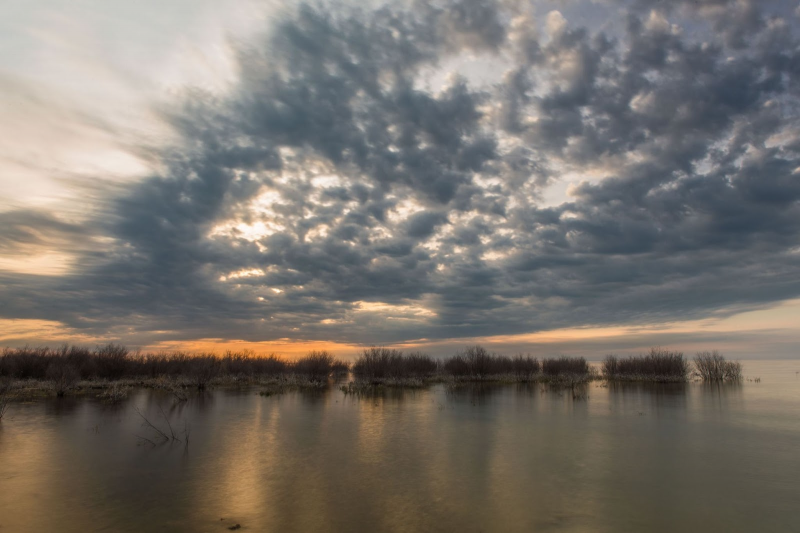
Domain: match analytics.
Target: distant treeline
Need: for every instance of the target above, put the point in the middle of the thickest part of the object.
(373, 365)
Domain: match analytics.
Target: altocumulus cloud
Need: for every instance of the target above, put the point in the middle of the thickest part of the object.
(353, 186)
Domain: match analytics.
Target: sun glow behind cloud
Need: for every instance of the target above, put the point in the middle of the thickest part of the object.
(245, 172)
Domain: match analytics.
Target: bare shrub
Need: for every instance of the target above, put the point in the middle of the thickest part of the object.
(565, 366)
(249, 364)
(712, 366)
(27, 363)
(62, 376)
(111, 361)
(658, 365)
(5, 395)
(203, 369)
(376, 363)
(477, 363)
(525, 367)
(379, 364)
(316, 365)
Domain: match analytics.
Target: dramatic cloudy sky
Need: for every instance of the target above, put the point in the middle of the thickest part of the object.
(562, 176)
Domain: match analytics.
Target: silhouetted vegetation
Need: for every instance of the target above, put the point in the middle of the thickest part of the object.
(379, 364)
(318, 365)
(5, 395)
(391, 367)
(63, 368)
(62, 375)
(659, 365)
(477, 363)
(712, 366)
(114, 367)
(203, 369)
(565, 367)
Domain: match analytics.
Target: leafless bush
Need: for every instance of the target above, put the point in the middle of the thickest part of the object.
(203, 369)
(378, 363)
(712, 366)
(316, 365)
(62, 376)
(111, 361)
(658, 365)
(525, 367)
(477, 363)
(249, 364)
(5, 395)
(565, 366)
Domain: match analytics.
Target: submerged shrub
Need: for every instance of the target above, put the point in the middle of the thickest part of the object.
(658, 365)
(316, 365)
(712, 366)
(525, 367)
(476, 362)
(339, 367)
(203, 369)
(378, 363)
(111, 361)
(247, 363)
(115, 394)
(5, 395)
(565, 366)
(62, 375)
(419, 364)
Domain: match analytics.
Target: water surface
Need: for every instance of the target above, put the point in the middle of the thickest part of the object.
(493, 458)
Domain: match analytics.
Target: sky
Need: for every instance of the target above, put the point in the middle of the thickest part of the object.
(573, 176)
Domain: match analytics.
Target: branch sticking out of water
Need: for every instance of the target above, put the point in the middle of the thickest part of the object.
(162, 435)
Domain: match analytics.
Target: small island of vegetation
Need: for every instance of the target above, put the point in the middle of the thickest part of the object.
(110, 372)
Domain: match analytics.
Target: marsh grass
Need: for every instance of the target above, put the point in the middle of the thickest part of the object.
(290, 382)
(712, 366)
(116, 393)
(659, 365)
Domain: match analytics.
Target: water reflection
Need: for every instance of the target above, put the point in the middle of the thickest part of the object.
(475, 457)
(649, 398)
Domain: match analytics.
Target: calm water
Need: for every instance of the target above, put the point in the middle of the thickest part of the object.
(509, 458)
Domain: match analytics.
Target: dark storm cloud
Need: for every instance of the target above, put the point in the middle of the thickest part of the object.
(332, 196)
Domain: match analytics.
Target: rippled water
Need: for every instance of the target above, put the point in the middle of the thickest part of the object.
(505, 458)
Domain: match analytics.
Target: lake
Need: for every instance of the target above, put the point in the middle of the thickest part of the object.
(633, 457)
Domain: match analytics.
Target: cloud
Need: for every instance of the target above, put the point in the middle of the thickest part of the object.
(336, 194)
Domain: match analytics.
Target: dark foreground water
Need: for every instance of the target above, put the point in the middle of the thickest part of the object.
(509, 458)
